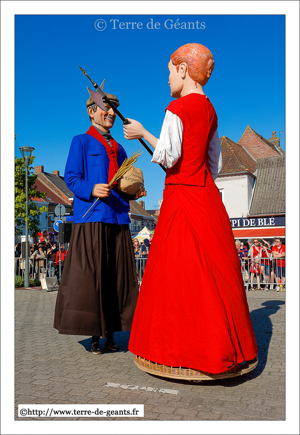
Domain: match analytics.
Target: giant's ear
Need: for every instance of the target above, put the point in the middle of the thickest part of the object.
(91, 112)
(183, 70)
(210, 67)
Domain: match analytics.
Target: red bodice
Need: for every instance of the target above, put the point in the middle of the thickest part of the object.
(199, 121)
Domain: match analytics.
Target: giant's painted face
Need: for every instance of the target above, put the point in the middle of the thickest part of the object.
(104, 119)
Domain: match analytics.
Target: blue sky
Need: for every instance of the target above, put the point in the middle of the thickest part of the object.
(247, 85)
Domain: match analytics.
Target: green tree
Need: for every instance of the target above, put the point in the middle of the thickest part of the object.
(34, 210)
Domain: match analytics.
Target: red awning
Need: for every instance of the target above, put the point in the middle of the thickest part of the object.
(259, 232)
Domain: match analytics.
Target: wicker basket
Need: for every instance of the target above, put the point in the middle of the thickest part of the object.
(190, 374)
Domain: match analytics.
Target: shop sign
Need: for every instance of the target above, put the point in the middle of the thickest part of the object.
(243, 222)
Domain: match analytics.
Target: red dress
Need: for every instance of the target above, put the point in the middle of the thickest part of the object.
(192, 309)
(255, 267)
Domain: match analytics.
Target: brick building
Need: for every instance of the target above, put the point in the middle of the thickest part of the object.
(258, 146)
(57, 192)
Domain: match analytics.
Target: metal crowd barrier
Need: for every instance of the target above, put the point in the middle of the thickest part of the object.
(256, 270)
(268, 272)
(262, 272)
(140, 264)
(38, 268)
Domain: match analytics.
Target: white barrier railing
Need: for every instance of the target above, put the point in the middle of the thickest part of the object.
(140, 264)
(256, 272)
(267, 274)
(38, 268)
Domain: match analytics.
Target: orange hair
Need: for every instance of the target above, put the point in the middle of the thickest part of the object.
(199, 60)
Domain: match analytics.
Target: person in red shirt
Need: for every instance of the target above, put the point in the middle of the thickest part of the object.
(63, 254)
(278, 252)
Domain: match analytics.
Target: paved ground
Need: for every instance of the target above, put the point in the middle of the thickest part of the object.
(57, 369)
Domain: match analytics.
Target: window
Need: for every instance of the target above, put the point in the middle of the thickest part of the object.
(221, 191)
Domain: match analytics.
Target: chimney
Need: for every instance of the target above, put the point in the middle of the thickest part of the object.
(38, 169)
(142, 204)
(55, 173)
(274, 140)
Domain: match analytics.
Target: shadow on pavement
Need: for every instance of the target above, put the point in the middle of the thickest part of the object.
(262, 326)
(120, 338)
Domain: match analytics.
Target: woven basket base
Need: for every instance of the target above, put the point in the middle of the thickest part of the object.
(190, 374)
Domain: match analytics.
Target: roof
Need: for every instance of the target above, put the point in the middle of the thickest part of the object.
(43, 200)
(270, 144)
(235, 158)
(137, 209)
(51, 196)
(244, 140)
(269, 189)
(60, 183)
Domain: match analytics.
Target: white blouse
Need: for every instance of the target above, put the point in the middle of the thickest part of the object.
(168, 148)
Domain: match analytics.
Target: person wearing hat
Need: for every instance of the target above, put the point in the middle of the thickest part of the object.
(38, 257)
(99, 288)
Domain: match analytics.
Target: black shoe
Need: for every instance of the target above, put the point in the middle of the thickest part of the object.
(111, 346)
(95, 349)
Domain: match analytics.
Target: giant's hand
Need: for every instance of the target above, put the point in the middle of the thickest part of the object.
(102, 190)
(140, 193)
(134, 130)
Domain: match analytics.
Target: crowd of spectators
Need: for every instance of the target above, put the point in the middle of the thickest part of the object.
(263, 262)
(43, 258)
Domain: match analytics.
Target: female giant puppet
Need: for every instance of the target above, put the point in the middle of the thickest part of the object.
(192, 310)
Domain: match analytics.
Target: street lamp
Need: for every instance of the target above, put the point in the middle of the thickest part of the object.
(26, 153)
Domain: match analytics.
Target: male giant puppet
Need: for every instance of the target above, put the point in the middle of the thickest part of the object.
(192, 309)
(98, 290)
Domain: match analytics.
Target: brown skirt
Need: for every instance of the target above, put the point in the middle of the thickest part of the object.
(98, 289)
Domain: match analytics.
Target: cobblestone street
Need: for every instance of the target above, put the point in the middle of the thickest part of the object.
(58, 369)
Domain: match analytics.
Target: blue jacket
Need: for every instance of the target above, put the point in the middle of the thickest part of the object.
(87, 165)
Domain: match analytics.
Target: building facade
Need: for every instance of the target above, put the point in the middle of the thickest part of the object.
(237, 177)
(140, 217)
(252, 185)
(57, 192)
(266, 217)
